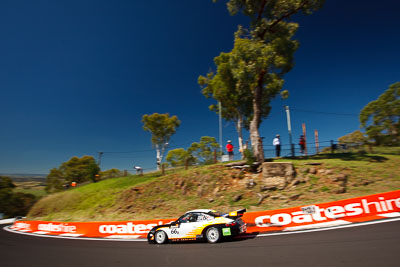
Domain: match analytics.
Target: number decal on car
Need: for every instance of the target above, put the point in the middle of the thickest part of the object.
(174, 232)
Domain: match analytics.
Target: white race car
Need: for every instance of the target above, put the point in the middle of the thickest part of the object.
(200, 224)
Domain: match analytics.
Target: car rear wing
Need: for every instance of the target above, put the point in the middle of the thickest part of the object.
(236, 214)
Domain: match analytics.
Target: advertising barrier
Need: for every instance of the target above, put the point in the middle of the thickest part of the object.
(340, 212)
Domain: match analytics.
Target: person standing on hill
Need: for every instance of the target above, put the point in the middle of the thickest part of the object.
(302, 144)
(277, 143)
(229, 149)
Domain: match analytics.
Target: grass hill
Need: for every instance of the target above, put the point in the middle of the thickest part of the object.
(321, 178)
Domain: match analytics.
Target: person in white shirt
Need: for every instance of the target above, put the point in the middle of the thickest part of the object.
(277, 143)
(139, 170)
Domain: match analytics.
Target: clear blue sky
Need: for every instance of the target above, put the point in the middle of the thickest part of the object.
(77, 76)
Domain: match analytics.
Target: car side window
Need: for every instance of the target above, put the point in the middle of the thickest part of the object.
(183, 219)
(189, 217)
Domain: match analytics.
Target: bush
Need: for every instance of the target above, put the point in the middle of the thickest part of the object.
(14, 204)
(248, 156)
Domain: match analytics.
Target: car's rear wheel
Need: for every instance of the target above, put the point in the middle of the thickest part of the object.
(213, 235)
(160, 237)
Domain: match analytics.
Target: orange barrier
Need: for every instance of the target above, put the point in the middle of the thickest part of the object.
(347, 211)
(121, 229)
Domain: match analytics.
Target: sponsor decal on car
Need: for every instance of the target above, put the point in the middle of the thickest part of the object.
(226, 231)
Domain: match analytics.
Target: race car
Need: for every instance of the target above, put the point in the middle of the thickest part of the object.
(199, 225)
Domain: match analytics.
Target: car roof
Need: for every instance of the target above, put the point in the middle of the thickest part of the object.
(201, 210)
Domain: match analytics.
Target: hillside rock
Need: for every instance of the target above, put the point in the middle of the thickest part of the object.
(277, 175)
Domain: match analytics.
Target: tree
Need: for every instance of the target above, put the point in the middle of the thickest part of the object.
(383, 117)
(204, 150)
(161, 127)
(20, 204)
(178, 157)
(78, 170)
(230, 93)
(6, 187)
(55, 181)
(6, 182)
(264, 53)
(14, 203)
(354, 137)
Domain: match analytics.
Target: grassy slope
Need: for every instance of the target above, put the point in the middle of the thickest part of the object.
(152, 196)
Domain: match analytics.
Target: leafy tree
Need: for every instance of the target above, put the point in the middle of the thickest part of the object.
(383, 117)
(20, 203)
(264, 53)
(236, 102)
(204, 150)
(6, 186)
(178, 157)
(14, 204)
(78, 170)
(161, 127)
(354, 137)
(6, 182)
(55, 181)
(5, 200)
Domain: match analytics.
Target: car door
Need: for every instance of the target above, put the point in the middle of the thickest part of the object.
(185, 229)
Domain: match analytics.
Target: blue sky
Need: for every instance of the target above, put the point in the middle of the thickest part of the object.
(77, 76)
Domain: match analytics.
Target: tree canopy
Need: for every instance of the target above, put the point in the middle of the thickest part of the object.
(77, 170)
(233, 96)
(381, 117)
(161, 127)
(203, 151)
(12, 203)
(178, 157)
(263, 53)
(354, 137)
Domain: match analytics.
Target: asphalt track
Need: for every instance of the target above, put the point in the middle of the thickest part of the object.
(369, 245)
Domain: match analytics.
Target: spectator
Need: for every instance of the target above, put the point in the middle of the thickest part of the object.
(229, 149)
(302, 144)
(277, 143)
(139, 170)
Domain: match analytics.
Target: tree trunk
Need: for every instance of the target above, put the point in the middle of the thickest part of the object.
(158, 157)
(239, 126)
(256, 142)
(160, 153)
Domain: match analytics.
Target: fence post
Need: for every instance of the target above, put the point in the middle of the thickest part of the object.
(316, 141)
(125, 173)
(162, 169)
(186, 164)
(293, 150)
(215, 156)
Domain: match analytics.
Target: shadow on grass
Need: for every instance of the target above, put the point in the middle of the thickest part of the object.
(347, 157)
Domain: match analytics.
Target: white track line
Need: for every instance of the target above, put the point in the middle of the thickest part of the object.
(332, 227)
(260, 235)
(73, 238)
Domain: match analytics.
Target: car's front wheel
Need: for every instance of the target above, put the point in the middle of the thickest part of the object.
(160, 237)
(213, 235)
